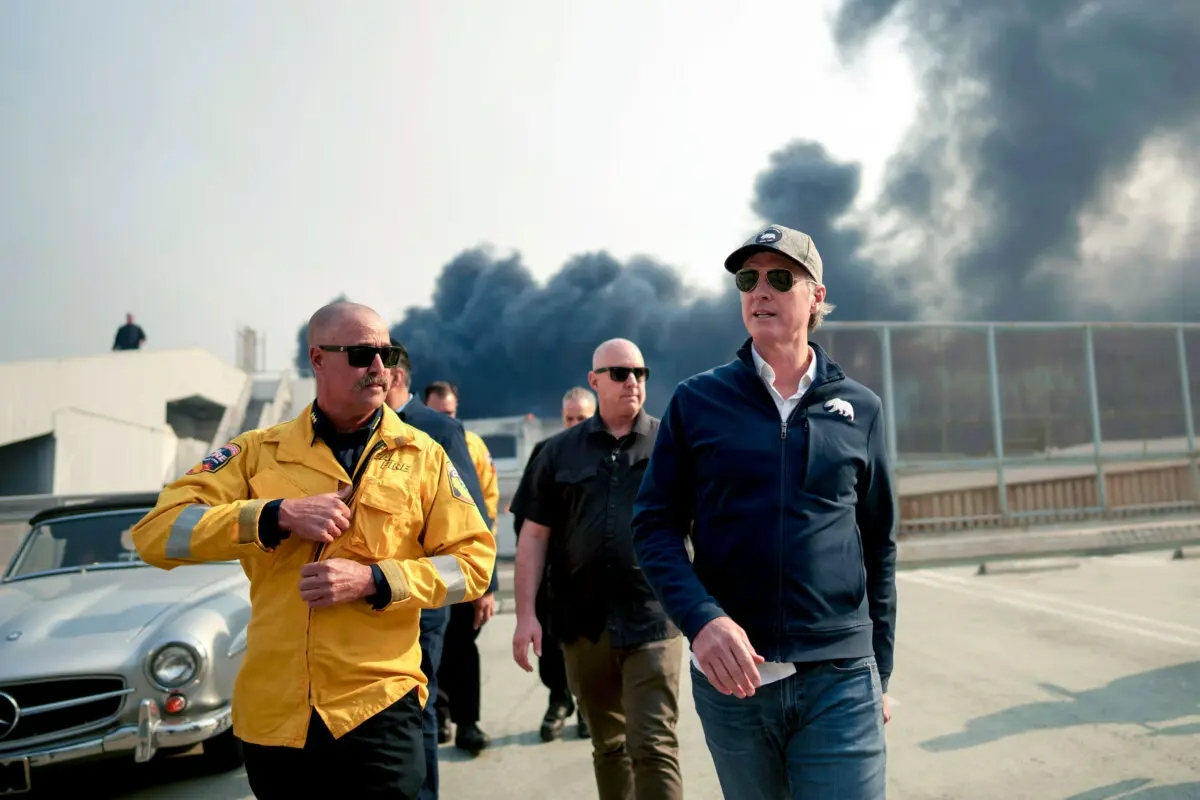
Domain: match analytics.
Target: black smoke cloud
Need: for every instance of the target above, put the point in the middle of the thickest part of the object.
(1048, 105)
(514, 345)
(1045, 104)
(806, 189)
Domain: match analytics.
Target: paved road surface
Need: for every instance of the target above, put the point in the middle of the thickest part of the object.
(1065, 680)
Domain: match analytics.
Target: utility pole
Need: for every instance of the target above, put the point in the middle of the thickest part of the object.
(250, 350)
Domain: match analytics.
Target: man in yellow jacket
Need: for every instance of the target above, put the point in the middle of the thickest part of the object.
(443, 396)
(485, 468)
(459, 679)
(347, 523)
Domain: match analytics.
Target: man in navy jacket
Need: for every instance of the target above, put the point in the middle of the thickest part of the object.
(775, 466)
(448, 432)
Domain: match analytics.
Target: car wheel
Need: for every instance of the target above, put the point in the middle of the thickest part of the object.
(223, 752)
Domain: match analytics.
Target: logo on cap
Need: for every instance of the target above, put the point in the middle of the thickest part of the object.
(769, 236)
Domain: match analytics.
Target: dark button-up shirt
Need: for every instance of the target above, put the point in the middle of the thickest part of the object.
(582, 487)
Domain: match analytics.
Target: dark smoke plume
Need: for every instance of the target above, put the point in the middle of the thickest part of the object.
(806, 190)
(1047, 105)
(1044, 107)
(514, 346)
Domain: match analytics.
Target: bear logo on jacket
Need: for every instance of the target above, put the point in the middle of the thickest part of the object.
(839, 406)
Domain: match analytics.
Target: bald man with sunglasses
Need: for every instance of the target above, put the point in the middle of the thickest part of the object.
(349, 524)
(623, 655)
(774, 465)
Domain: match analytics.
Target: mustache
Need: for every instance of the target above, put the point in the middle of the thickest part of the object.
(370, 380)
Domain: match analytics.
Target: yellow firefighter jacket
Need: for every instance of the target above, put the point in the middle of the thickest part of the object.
(486, 470)
(412, 515)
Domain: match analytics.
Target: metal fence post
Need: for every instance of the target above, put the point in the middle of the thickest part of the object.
(997, 422)
(1089, 355)
(889, 395)
(1188, 421)
(889, 418)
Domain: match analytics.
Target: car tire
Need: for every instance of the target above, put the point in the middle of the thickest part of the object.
(223, 752)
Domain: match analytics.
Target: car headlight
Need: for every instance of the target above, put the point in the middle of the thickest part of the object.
(174, 665)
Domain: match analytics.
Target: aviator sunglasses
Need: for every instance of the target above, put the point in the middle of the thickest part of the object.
(781, 280)
(621, 374)
(361, 355)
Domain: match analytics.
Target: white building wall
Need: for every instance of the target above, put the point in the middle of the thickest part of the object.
(133, 386)
(188, 453)
(303, 392)
(97, 454)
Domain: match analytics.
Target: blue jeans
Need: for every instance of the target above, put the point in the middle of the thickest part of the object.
(433, 635)
(813, 735)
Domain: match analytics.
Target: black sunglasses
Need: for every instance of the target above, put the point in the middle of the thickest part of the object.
(621, 374)
(362, 355)
(781, 280)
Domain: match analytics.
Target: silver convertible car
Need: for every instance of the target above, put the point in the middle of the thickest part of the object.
(102, 656)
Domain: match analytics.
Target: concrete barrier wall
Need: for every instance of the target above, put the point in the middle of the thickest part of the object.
(1128, 489)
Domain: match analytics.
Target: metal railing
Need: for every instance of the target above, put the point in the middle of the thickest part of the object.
(1006, 400)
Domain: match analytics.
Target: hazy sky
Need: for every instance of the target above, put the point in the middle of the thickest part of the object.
(208, 165)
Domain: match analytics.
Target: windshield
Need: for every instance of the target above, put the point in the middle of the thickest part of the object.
(99, 539)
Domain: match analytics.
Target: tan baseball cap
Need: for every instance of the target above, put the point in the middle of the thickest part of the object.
(797, 246)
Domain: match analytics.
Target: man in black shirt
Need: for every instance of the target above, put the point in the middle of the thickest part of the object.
(623, 654)
(130, 336)
(578, 404)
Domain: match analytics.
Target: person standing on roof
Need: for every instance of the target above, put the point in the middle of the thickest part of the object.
(130, 336)
(348, 523)
(775, 466)
(459, 679)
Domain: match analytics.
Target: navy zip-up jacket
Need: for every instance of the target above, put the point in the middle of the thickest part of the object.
(792, 523)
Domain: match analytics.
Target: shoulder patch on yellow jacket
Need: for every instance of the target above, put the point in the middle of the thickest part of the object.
(458, 488)
(217, 459)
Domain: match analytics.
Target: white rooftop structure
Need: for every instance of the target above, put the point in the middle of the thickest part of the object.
(125, 421)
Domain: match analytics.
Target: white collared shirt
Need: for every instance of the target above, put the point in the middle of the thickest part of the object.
(785, 405)
(772, 671)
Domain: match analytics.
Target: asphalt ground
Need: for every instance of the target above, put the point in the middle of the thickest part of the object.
(1055, 680)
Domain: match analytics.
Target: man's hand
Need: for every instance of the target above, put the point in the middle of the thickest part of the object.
(528, 632)
(320, 518)
(887, 710)
(727, 657)
(485, 609)
(338, 580)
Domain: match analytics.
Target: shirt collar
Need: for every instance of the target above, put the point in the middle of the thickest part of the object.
(323, 428)
(594, 424)
(768, 374)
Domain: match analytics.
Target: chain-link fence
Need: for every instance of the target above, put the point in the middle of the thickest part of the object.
(988, 424)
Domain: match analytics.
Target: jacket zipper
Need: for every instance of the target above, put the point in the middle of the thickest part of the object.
(783, 429)
(354, 481)
(810, 397)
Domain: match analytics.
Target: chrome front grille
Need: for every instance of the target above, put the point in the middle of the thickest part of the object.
(37, 711)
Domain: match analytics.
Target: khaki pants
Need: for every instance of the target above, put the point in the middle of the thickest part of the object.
(630, 698)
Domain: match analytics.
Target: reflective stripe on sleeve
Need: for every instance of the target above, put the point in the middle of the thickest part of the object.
(248, 521)
(450, 571)
(179, 542)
